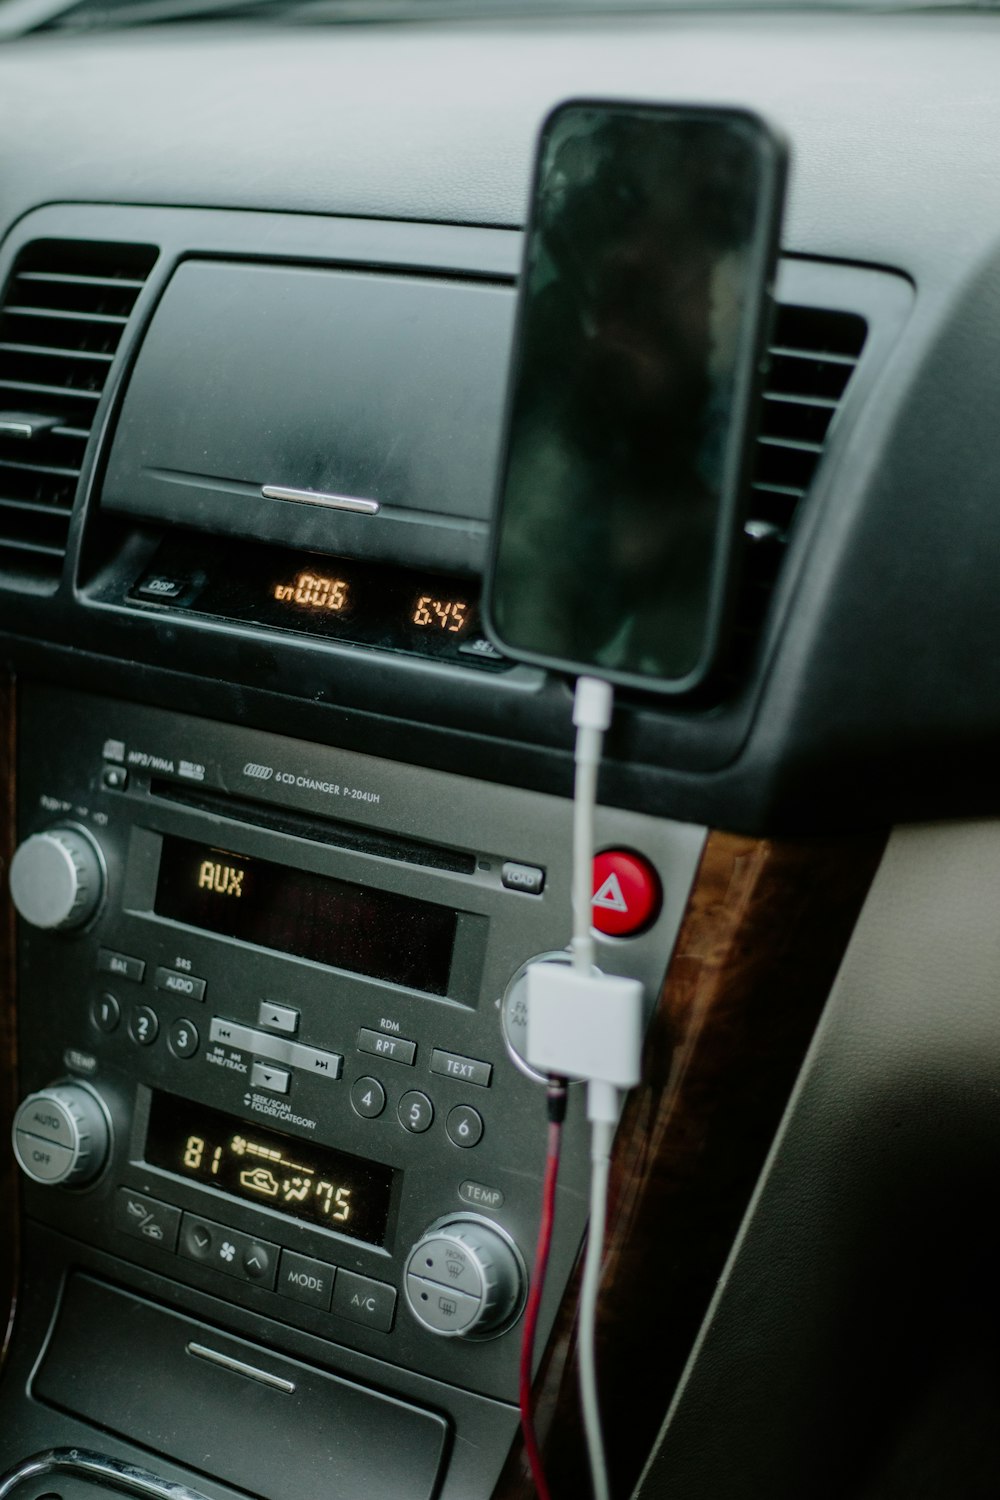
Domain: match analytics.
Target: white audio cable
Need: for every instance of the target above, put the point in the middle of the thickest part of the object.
(587, 1025)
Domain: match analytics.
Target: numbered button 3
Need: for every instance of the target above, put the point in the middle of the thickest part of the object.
(416, 1112)
(368, 1098)
(143, 1025)
(183, 1038)
(464, 1125)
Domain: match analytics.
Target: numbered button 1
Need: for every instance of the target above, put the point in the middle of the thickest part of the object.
(105, 1012)
(368, 1097)
(183, 1038)
(143, 1025)
(464, 1125)
(416, 1112)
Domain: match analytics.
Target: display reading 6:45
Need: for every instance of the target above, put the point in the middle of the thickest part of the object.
(446, 614)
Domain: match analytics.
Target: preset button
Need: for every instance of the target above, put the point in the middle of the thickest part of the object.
(183, 1038)
(416, 1112)
(368, 1097)
(105, 1012)
(143, 1025)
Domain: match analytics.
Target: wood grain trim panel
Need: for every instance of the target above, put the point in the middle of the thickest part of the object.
(760, 944)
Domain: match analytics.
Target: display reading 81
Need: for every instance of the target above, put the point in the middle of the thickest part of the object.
(269, 1175)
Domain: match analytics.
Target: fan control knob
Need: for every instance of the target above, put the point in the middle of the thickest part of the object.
(57, 878)
(465, 1279)
(62, 1135)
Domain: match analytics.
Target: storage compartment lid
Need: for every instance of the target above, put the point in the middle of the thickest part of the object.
(383, 388)
(228, 1408)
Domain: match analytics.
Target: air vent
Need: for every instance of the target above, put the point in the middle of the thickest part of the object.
(812, 357)
(62, 316)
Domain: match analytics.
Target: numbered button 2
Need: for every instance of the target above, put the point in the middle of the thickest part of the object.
(416, 1112)
(143, 1025)
(368, 1098)
(183, 1038)
(464, 1125)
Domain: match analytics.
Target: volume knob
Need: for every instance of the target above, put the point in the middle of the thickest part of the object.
(62, 1135)
(57, 878)
(465, 1279)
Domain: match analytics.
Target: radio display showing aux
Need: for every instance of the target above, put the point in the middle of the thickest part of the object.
(314, 1183)
(379, 934)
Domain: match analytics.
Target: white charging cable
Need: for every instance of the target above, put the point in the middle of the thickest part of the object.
(587, 1025)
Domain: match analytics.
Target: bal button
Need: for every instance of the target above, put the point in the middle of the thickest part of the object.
(627, 893)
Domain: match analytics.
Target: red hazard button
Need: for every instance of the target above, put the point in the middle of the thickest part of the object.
(627, 893)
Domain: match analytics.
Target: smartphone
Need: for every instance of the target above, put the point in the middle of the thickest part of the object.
(645, 306)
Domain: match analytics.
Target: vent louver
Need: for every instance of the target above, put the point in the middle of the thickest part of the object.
(813, 355)
(62, 317)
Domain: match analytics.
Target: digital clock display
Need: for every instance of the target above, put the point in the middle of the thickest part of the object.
(347, 600)
(316, 1184)
(399, 939)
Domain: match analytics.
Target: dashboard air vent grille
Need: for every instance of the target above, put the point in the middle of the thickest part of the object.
(62, 316)
(813, 355)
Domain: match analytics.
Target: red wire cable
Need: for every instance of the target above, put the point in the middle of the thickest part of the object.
(534, 1303)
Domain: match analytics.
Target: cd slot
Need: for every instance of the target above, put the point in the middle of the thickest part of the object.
(318, 830)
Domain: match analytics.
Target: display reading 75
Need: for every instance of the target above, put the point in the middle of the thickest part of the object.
(330, 1188)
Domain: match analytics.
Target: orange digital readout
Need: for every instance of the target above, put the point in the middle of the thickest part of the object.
(445, 614)
(314, 592)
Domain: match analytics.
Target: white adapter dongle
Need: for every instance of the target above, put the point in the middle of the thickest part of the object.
(586, 1026)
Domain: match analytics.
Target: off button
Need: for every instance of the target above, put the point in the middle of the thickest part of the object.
(627, 893)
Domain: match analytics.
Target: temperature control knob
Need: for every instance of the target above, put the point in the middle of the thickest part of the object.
(465, 1278)
(62, 1135)
(57, 878)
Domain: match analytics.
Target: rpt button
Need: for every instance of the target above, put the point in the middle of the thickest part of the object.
(381, 1044)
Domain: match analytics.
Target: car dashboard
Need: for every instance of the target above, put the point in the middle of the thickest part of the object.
(284, 827)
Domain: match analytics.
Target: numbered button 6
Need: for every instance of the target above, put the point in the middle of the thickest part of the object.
(416, 1112)
(464, 1125)
(143, 1025)
(183, 1038)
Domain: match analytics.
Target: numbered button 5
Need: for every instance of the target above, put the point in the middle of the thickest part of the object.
(143, 1025)
(183, 1038)
(416, 1112)
(368, 1097)
(464, 1125)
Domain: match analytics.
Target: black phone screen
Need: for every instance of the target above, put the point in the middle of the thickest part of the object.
(644, 305)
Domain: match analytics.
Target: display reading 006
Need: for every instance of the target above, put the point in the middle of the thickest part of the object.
(314, 1183)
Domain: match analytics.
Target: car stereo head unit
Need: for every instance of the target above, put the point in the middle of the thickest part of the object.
(272, 1019)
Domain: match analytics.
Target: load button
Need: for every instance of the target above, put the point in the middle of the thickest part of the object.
(627, 893)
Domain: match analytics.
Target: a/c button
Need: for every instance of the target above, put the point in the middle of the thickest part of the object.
(364, 1301)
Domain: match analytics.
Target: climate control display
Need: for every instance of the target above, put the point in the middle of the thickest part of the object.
(315, 1183)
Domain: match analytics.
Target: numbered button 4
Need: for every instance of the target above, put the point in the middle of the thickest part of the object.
(183, 1038)
(368, 1097)
(464, 1125)
(143, 1025)
(416, 1112)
